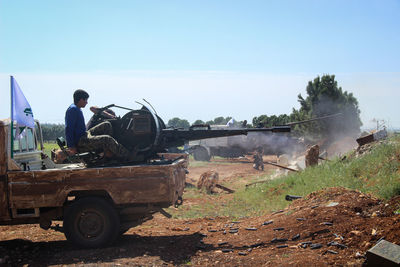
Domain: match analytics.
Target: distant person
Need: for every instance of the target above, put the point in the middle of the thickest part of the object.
(258, 159)
(97, 138)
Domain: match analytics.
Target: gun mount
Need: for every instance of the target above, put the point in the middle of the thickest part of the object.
(144, 132)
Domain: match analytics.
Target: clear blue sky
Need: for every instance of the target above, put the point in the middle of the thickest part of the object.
(182, 54)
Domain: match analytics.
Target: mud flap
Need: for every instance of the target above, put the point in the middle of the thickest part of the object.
(166, 214)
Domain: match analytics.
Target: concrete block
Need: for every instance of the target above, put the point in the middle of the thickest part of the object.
(384, 254)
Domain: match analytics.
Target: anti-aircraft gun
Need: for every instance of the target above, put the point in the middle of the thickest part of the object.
(143, 132)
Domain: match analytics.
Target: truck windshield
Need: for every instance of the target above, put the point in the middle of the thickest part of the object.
(26, 142)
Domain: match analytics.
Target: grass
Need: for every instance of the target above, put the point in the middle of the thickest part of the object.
(377, 173)
(48, 147)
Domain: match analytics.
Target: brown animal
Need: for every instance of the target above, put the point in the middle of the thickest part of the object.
(208, 180)
(312, 156)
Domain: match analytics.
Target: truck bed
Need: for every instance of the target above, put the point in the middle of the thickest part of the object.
(139, 184)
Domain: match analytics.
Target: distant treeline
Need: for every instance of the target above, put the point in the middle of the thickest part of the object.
(51, 131)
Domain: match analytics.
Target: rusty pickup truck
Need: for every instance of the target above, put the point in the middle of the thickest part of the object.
(95, 205)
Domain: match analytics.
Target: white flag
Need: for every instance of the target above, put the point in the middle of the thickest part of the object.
(21, 110)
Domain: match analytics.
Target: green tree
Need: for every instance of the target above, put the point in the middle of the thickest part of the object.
(219, 121)
(51, 131)
(198, 122)
(324, 97)
(178, 123)
(269, 121)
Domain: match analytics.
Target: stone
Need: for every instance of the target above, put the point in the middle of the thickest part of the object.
(359, 255)
(268, 222)
(355, 232)
(241, 253)
(384, 253)
(251, 229)
(226, 250)
(279, 229)
(332, 204)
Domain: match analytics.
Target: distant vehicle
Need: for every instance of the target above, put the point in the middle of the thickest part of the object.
(237, 146)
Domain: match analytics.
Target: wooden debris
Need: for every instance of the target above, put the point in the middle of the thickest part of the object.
(208, 181)
(278, 240)
(295, 237)
(315, 246)
(224, 188)
(282, 246)
(312, 155)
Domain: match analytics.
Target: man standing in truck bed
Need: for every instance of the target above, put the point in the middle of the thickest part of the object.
(97, 138)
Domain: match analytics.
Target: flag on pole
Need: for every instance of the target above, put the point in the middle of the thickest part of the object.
(230, 123)
(21, 111)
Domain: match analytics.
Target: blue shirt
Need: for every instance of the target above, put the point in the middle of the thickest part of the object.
(74, 125)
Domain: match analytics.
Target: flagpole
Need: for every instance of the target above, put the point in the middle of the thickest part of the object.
(12, 117)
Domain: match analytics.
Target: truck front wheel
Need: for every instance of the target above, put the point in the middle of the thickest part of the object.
(91, 222)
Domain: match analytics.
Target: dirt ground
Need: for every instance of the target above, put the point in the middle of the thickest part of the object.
(332, 227)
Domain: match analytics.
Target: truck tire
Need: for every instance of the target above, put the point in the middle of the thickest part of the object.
(201, 154)
(91, 222)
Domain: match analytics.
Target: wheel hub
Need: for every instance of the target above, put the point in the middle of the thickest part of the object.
(90, 224)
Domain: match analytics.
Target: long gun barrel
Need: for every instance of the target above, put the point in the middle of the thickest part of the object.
(177, 137)
(315, 119)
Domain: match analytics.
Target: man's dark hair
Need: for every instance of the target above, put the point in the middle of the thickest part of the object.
(80, 94)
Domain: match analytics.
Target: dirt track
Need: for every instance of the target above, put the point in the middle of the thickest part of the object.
(353, 220)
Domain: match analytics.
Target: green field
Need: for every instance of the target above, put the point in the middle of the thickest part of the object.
(48, 147)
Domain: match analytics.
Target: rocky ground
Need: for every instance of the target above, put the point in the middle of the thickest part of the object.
(331, 227)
